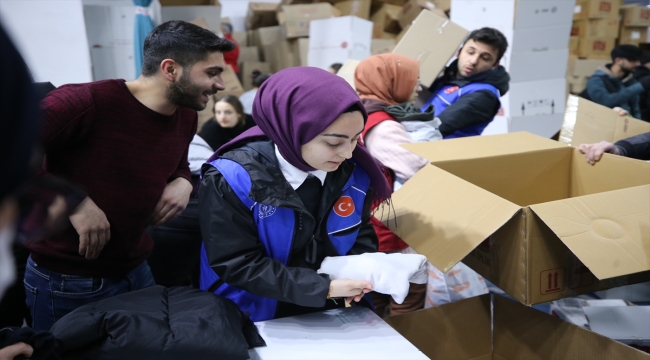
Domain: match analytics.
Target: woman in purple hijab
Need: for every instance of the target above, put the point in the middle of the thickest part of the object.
(278, 199)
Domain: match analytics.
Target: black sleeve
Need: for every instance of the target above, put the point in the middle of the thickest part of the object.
(236, 254)
(470, 109)
(637, 147)
(367, 238)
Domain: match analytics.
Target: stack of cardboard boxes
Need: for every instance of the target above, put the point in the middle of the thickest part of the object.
(635, 20)
(595, 28)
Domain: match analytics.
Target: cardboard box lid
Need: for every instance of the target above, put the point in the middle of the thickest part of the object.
(609, 232)
(443, 38)
(586, 122)
(481, 146)
(347, 71)
(470, 215)
(471, 329)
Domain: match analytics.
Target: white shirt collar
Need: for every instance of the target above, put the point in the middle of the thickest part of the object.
(295, 177)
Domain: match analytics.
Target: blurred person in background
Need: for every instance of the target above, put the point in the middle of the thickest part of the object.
(466, 97)
(643, 71)
(231, 57)
(613, 85)
(248, 97)
(229, 122)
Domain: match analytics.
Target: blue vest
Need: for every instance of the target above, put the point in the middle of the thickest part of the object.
(275, 225)
(448, 95)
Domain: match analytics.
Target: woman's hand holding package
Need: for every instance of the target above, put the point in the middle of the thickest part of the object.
(388, 273)
(349, 289)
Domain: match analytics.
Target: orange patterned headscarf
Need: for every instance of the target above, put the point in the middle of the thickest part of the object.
(390, 78)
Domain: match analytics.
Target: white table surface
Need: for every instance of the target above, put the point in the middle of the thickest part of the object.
(350, 333)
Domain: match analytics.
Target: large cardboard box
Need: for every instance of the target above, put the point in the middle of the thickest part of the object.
(596, 9)
(633, 35)
(347, 71)
(443, 40)
(386, 20)
(261, 15)
(596, 47)
(574, 45)
(635, 15)
(595, 27)
(247, 69)
(587, 67)
(413, 8)
(298, 18)
(586, 122)
(231, 81)
(241, 37)
(480, 329)
(301, 51)
(248, 53)
(280, 55)
(539, 97)
(264, 37)
(210, 13)
(358, 8)
(529, 214)
(382, 46)
(337, 40)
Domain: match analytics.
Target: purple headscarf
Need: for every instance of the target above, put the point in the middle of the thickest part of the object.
(295, 105)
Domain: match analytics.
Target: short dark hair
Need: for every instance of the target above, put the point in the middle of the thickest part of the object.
(260, 79)
(645, 58)
(492, 37)
(628, 52)
(232, 100)
(182, 42)
(336, 66)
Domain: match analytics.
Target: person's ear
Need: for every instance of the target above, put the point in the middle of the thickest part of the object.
(171, 70)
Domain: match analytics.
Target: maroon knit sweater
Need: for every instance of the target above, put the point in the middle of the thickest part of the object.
(99, 136)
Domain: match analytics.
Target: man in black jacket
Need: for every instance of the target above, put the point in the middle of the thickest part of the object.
(466, 97)
(636, 147)
(643, 72)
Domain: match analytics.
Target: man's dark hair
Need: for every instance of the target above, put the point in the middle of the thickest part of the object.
(628, 52)
(492, 37)
(182, 42)
(645, 58)
(336, 66)
(260, 79)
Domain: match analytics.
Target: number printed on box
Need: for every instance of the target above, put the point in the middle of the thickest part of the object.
(552, 281)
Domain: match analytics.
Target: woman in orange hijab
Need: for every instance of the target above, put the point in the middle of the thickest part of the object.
(385, 83)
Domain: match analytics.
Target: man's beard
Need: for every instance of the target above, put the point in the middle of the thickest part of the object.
(185, 93)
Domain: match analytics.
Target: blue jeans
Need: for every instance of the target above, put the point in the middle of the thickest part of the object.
(52, 295)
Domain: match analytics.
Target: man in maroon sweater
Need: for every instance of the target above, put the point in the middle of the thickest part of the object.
(125, 144)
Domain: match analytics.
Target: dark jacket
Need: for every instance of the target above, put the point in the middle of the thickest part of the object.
(233, 247)
(217, 136)
(157, 323)
(473, 108)
(644, 99)
(608, 90)
(637, 147)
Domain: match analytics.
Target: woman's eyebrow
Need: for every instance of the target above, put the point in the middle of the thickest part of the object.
(341, 135)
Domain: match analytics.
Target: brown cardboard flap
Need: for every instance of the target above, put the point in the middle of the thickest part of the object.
(459, 330)
(443, 38)
(609, 232)
(586, 122)
(524, 333)
(476, 147)
(441, 224)
(611, 172)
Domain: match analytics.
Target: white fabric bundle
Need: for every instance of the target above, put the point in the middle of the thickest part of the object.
(388, 273)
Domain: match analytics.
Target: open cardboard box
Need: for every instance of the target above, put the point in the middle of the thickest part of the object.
(586, 122)
(469, 329)
(529, 214)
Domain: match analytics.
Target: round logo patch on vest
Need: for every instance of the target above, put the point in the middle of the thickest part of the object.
(266, 211)
(451, 89)
(344, 207)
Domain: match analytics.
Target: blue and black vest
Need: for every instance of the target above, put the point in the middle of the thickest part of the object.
(276, 224)
(449, 94)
